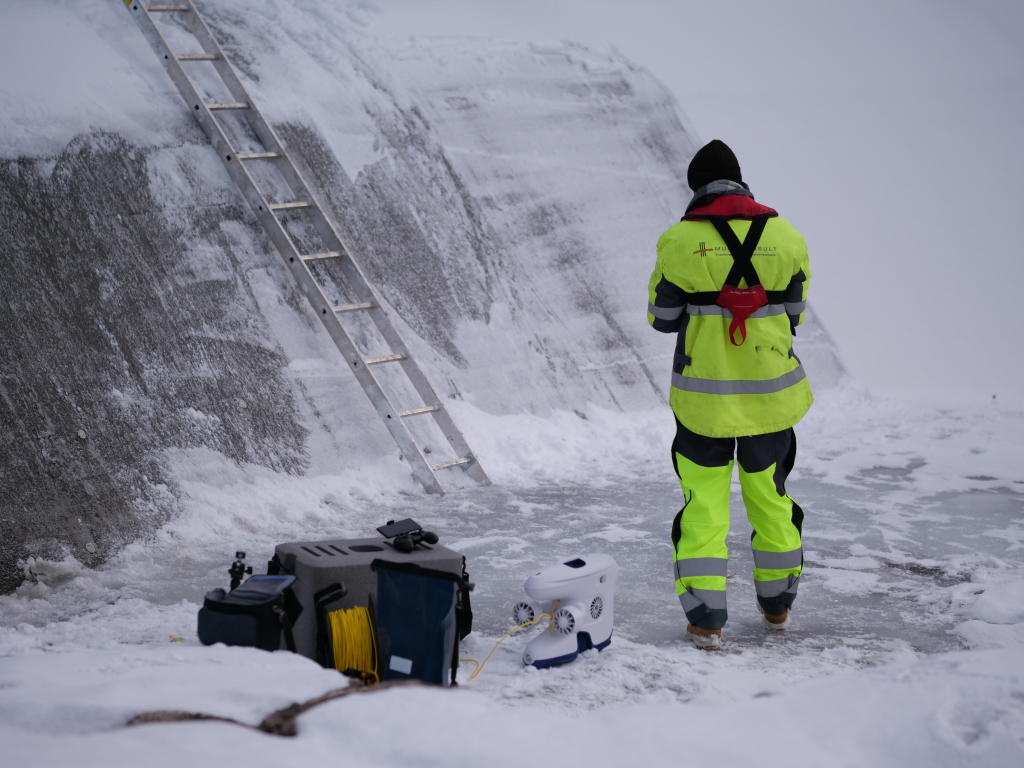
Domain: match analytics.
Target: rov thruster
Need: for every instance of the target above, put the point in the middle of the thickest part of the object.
(578, 596)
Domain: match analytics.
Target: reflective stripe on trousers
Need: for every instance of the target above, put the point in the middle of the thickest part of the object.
(701, 566)
(777, 542)
(775, 561)
(693, 599)
(777, 587)
(699, 531)
(698, 537)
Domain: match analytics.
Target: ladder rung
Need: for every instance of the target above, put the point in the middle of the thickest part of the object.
(228, 105)
(319, 256)
(294, 205)
(197, 57)
(353, 308)
(450, 464)
(417, 411)
(384, 359)
(167, 8)
(257, 155)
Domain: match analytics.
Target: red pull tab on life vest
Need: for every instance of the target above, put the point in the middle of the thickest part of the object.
(742, 303)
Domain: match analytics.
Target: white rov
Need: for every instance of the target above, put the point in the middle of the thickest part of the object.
(579, 597)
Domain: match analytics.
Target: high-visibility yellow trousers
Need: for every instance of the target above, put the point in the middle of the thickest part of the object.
(704, 466)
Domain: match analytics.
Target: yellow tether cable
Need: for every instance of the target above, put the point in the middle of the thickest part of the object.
(480, 665)
(354, 645)
(353, 642)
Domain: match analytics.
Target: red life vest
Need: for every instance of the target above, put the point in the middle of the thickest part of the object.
(741, 302)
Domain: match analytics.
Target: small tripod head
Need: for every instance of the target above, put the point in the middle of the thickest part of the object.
(238, 570)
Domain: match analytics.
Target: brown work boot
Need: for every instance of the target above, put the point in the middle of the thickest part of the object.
(705, 639)
(776, 621)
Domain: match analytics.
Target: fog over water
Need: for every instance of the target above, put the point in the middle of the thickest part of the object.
(887, 132)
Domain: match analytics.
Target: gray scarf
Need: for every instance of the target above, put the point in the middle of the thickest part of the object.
(711, 190)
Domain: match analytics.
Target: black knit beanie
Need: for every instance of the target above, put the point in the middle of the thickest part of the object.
(713, 161)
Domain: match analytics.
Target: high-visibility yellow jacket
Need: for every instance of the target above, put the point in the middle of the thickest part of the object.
(720, 389)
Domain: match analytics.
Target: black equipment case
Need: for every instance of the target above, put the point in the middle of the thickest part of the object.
(390, 607)
(259, 614)
(347, 563)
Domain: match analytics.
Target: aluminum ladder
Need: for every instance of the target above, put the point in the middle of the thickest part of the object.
(362, 301)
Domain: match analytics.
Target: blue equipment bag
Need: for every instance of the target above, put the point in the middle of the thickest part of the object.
(418, 622)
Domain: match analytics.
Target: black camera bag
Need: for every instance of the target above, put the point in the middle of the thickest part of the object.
(259, 614)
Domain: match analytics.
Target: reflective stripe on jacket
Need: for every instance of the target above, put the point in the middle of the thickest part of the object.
(719, 389)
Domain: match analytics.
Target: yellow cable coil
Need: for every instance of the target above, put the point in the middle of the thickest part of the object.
(354, 642)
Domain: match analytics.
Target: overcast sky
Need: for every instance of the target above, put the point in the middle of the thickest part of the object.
(888, 132)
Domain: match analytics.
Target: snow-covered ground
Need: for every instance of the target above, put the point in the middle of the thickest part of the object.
(907, 648)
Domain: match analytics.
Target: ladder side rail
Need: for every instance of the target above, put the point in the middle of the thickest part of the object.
(356, 278)
(261, 127)
(332, 241)
(308, 285)
(288, 168)
(239, 174)
(429, 396)
(294, 178)
(325, 311)
(393, 340)
(385, 409)
(253, 116)
(329, 234)
(195, 24)
(395, 344)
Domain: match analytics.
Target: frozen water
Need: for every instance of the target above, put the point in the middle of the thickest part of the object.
(880, 568)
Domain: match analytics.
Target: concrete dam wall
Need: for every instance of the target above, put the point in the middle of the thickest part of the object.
(503, 199)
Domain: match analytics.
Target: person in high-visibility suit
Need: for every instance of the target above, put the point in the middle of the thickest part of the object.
(731, 281)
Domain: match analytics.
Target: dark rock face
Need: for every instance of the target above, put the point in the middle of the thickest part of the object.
(127, 330)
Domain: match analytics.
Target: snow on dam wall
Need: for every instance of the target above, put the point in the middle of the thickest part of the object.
(503, 199)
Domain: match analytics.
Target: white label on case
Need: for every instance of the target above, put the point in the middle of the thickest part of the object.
(401, 665)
